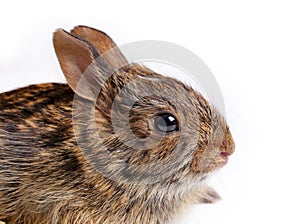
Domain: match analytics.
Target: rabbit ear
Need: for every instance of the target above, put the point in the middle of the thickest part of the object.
(103, 43)
(81, 63)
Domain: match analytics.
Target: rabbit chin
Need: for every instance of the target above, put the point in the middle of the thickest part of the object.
(219, 162)
(180, 188)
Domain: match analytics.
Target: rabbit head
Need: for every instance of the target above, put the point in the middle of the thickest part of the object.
(135, 124)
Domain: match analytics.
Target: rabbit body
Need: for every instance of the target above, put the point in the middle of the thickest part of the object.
(46, 179)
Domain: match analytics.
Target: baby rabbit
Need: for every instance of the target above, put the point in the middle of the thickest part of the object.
(115, 149)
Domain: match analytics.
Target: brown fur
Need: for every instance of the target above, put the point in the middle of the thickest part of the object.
(46, 178)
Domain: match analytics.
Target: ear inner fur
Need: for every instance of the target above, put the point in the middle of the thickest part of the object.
(75, 56)
(103, 43)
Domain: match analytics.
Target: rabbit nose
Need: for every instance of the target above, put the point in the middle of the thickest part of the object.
(227, 147)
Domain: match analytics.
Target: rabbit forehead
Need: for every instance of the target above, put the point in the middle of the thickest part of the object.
(144, 82)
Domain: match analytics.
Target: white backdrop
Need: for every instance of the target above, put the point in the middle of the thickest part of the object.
(252, 48)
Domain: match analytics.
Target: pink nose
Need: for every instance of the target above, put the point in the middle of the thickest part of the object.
(228, 146)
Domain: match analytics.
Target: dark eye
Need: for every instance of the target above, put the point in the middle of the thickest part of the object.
(166, 122)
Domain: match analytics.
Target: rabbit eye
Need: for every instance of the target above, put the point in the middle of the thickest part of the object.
(166, 122)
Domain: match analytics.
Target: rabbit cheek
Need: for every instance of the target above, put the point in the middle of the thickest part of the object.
(196, 162)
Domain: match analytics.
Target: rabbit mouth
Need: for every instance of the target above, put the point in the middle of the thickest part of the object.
(221, 160)
(224, 160)
(210, 163)
(225, 157)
